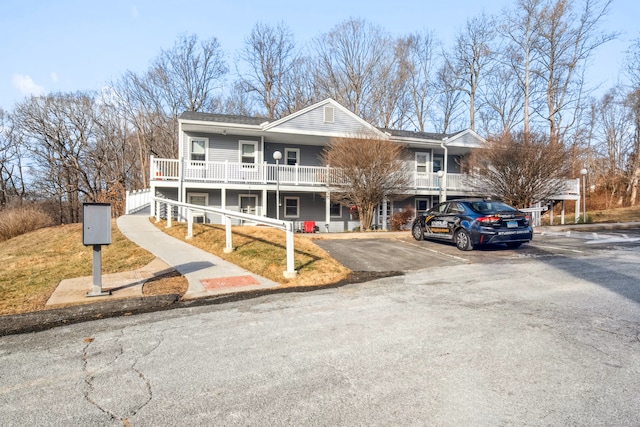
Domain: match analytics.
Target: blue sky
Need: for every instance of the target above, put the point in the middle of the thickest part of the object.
(67, 45)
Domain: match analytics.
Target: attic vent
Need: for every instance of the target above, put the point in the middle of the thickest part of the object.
(328, 114)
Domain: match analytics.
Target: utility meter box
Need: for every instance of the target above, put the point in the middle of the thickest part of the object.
(96, 224)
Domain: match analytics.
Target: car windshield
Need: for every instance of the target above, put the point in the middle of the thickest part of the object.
(484, 207)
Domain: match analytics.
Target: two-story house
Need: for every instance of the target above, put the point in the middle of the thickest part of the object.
(273, 168)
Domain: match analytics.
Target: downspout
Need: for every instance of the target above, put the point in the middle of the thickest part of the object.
(181, 189)
(443, 185)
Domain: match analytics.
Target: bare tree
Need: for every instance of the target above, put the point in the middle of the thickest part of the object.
(58, 129)
(189, 75)
(568, 38)
(617, 143)
(519, 169)
(369, 169)
(388, 103)
(471, 55)
(503, 102)
(420, 61)
(448, 111)
(12, 183)
(633, 102)
(520, 29)
(347, 62)
(269, 53)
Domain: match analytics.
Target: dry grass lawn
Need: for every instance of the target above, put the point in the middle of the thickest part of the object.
(33, 264)
(262, 250)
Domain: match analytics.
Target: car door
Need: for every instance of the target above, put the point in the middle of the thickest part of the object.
(438, 221)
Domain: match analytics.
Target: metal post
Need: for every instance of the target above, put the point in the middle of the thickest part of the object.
(97, 273)
(228, 236)
(291, 273)
(277, 156)
(583, 172)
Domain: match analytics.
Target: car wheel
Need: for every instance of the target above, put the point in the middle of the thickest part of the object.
(463, 240)
(417, 232)
(514, 245)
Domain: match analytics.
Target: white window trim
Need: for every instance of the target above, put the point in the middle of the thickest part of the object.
(199, 214)
(284, 205)
(206, 148)
(428, 164)
(206, 197)
(286, 154)
(255, 154)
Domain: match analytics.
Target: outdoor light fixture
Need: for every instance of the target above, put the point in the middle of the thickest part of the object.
(277, 156)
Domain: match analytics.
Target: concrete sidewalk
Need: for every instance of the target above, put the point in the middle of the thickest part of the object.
(207, 274)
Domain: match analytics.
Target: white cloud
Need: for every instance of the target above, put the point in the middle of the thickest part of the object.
(134, 12)
(54, 76)
(26, 85)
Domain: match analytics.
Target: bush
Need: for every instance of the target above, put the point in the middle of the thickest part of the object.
(400, 219)
(20, 220)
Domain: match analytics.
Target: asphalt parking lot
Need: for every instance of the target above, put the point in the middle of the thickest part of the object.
(403, 253)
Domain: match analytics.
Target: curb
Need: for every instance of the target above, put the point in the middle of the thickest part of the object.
(48, 319)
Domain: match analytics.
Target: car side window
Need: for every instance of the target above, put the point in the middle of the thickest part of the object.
(455, 209)
(441, 208)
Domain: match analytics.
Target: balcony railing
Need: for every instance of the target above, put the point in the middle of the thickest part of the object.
(264, 173)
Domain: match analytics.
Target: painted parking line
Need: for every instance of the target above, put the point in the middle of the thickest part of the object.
(444, 254)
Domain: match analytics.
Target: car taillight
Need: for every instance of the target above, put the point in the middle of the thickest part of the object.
(488, 220)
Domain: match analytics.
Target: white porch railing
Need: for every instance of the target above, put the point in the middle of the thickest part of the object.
(137, 200)
(264, 173)
(189, 211)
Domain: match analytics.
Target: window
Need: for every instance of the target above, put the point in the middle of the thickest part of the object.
(200, 199)
(422, 205)
(335, 210)
(437, 163)
(455, 208)
(291, 156)
(292, 207)
(422, 160)
(198, 149)
(248, 153)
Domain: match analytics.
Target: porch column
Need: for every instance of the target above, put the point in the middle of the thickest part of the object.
(264, 202)
(223, 198)
(327, 211)
(384, 213)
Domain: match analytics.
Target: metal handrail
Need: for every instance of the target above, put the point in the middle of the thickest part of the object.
(190, 209)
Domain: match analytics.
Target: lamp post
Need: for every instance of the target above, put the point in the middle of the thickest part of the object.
(277, 156)
(440, 174)
(583, 172)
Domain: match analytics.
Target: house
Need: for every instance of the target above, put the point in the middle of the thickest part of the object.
(228, 162)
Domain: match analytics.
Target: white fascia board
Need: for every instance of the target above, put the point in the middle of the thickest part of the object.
(221, 124)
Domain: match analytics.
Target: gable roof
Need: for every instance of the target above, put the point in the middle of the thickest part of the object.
(312, 121)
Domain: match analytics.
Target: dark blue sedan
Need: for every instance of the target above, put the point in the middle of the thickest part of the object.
(474, 222)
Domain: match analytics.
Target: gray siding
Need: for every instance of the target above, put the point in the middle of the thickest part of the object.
(309, 154)
(313, 121)
(221, 147)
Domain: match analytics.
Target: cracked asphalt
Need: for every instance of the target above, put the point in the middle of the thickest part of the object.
(547, 337)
